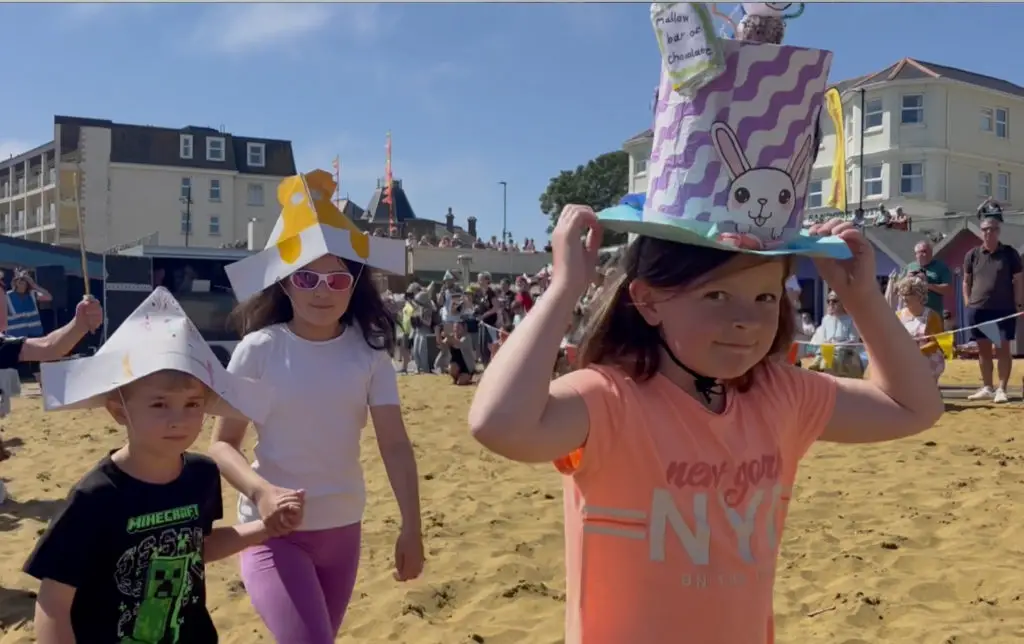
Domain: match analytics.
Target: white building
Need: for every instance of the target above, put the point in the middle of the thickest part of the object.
(936, 140)
(193, 186)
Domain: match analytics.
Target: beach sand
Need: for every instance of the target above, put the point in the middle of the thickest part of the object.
(912, 541)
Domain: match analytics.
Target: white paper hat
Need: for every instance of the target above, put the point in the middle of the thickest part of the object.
(309, 227)
(156, 336)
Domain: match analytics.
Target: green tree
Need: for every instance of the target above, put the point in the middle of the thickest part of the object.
(601, 183)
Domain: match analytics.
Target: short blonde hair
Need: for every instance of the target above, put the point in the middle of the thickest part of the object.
(170, 379)
(912, 286)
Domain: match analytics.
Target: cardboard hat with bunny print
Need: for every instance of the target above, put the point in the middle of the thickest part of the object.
(157, 336)
(736, 132)
(311, 226)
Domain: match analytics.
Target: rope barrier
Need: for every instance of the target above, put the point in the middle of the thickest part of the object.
(934, 336)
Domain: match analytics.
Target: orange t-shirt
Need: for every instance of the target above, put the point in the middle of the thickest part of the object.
(673, 514)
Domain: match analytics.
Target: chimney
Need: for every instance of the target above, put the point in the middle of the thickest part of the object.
(449, 221)
(471, 226)
(250, 238)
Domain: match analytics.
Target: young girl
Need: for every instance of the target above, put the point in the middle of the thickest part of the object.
(320, 336)
(922, 323)
(679, 437)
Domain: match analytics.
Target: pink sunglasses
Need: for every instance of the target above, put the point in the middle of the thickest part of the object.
(307, 280)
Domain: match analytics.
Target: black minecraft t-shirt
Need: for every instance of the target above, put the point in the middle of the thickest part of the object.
(134, 553)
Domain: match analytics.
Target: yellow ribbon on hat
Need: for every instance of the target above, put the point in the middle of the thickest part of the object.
(834, 107)
(828, 355)
(945, 342)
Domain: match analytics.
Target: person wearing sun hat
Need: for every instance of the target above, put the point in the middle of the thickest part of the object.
(145, 511)
(679, 432)
(315, 329)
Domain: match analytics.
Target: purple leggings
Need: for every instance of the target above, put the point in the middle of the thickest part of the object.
(301, 584)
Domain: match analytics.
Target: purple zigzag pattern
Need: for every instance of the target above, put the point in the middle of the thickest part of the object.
(687, 109)
(721, 200)
(670, 132)
(763, 70)
(695, 141)
(770, 118)
(700, 190)
(725, 83)
(795, 134)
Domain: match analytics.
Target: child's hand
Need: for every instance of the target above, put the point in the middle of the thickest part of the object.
(409, 556)
(854, 278)
(281, 509)
(575, 258)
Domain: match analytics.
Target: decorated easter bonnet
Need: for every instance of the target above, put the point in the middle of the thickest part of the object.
(311, 226)
(735, 136)
(157, 336)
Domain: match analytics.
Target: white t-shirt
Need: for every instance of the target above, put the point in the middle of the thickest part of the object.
(310, 440)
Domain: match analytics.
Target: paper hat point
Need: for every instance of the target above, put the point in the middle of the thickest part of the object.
(157, 336)
(732, 155)
(310, 226)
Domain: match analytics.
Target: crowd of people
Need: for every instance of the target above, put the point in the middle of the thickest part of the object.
(451, 328)
(452, 240)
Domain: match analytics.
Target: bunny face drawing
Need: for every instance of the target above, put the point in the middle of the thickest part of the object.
(761, 200)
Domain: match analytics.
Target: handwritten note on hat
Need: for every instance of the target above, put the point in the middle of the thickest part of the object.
(688, 43)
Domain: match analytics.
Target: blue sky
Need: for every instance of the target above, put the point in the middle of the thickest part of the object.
(473, 93)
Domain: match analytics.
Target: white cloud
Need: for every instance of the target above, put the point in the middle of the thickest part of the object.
(237, 29)
(13, 147)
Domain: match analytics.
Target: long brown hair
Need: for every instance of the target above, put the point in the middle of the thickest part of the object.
(271, 306)
(617, 334)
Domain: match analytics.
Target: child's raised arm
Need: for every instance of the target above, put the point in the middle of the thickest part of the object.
(900, 397)
(517, 411)
(53, 613)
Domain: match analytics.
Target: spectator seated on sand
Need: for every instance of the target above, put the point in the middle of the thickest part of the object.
(837, 329)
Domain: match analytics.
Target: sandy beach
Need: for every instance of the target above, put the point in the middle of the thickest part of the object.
(913, 541)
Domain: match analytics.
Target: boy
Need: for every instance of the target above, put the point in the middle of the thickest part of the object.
(124, 561)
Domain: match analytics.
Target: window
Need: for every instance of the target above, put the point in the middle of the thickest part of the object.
(257, 154)
(214, 226)
(1002, 123)
(215, 148)
(186, 223)
(640, 166)
(214, 189)
(873, 113)
(185, 146)
(186, 189)
(913, 109)
(984, 184)
(814, 195)
(988, 119)
(873, 181)
(911, 178)
(1003, 188)
(255, 194)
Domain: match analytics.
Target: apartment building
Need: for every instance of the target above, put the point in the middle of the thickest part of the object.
(191, 186)
(936, 139)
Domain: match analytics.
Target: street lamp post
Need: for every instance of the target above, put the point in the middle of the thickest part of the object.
(504, 211)
(187, 200)
(860, 190)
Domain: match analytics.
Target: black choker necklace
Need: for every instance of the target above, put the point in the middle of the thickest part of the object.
(706, 386)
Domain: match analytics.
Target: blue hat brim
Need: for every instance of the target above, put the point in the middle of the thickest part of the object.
(627, 219)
